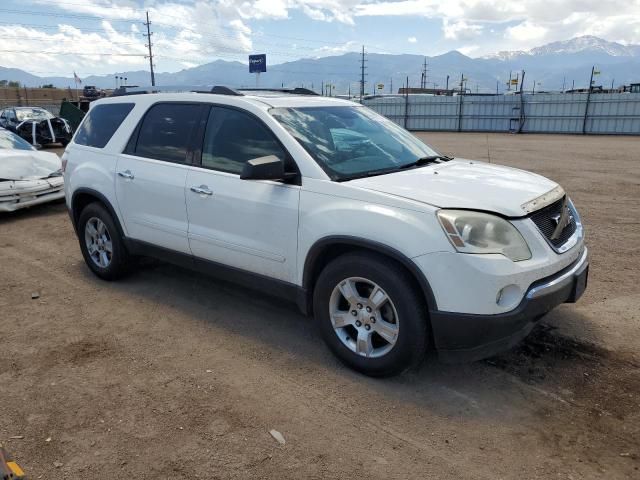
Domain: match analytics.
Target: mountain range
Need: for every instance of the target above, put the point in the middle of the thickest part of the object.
(552, 67)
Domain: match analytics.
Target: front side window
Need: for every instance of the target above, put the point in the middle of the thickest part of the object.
(101, 123)
(234, 137)
(351, 141)
(166, 131)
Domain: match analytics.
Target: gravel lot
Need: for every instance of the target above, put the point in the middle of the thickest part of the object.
(169, 374)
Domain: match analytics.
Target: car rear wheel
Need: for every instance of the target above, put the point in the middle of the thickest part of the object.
(370, 314)
(102, 247)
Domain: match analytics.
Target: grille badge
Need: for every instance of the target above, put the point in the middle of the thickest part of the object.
(562, 221)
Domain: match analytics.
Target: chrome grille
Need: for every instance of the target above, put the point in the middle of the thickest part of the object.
(546, 219)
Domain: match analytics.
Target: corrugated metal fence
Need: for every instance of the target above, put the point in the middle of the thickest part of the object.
(610, 113)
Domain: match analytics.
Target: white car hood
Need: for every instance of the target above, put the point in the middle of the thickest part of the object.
(463, 184)
(27, 164)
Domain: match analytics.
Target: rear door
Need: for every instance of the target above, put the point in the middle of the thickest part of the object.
(250, 225)
(151, 175)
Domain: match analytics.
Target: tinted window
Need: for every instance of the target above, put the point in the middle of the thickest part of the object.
(101, 123)
(165, 131)
(233, 137)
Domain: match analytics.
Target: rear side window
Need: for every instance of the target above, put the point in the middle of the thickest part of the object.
(101, 123)
(166, 130)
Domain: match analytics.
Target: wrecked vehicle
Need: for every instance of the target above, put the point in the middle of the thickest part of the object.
(36, 125)
(27, 177)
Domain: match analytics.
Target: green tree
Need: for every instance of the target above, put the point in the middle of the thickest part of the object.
(13, 83)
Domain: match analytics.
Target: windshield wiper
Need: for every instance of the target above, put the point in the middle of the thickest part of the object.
(426, 160)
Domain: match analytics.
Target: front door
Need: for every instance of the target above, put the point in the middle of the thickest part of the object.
(250, 225)
(151, 176)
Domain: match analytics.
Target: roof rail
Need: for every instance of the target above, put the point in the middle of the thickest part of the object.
(137, 90)
(294, 91)
(222, 90)
(215, 89)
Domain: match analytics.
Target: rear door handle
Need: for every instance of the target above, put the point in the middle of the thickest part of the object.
(126, 174)
(202, 190)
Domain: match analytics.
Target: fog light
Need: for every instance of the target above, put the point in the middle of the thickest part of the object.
(509, 296)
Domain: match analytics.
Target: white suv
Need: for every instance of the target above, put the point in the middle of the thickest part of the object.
(395, 248)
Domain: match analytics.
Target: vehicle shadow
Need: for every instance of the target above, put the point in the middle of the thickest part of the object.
(533, 374)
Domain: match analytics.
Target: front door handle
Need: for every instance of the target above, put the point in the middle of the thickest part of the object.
(202, 190)
(126, 174)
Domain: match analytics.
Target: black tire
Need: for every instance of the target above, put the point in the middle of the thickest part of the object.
(412, 336)
(120, 262)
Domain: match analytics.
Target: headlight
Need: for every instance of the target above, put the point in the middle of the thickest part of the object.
(477, 232)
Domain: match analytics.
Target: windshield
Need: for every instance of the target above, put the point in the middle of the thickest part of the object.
(10, 141)
(350, 141)
(32, 114)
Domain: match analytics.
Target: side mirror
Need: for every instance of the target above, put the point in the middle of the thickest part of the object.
(38, 146)
(263, 168)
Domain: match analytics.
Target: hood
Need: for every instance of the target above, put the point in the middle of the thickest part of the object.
(463, 184)
(27, 164)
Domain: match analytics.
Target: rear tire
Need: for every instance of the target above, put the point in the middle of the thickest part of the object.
(381, 329)
(101, 244)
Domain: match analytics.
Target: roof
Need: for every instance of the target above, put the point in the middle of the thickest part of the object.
(263, 99)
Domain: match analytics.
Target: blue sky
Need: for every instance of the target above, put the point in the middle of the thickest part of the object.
(49, 37)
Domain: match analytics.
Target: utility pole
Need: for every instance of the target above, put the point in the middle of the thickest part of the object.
(586, 107)
(362, 74)
(447, 82)
(423, 77)
(149, 44)
(391, 85)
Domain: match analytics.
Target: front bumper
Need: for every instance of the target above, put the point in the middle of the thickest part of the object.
(15, 195)
(462, 337)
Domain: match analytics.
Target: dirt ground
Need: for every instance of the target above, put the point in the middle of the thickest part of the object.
(169, 374)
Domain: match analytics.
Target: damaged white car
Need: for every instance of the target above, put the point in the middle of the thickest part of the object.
(27, 176)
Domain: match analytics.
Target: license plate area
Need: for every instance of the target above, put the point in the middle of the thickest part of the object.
(579, 285)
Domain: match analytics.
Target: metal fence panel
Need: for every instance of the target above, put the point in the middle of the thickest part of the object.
(610, 113)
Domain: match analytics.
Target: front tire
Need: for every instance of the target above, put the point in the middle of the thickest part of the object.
(102, 247)
(370, 314)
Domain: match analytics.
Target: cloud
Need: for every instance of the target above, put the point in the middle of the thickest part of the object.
(195, 31)
(460, 30)
(526, 32)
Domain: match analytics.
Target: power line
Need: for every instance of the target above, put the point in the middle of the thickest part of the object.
(149, 44)
(75, 53)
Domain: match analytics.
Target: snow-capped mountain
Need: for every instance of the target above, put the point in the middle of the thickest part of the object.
(584, 44)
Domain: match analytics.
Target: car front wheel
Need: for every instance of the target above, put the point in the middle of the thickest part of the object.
(370, 314)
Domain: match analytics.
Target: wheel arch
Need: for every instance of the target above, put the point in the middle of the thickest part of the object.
(83, 197)
(328, 248)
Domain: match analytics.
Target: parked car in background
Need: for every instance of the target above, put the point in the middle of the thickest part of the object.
(27, 176)
(36, 125)
(90, 91)
(392, 246)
